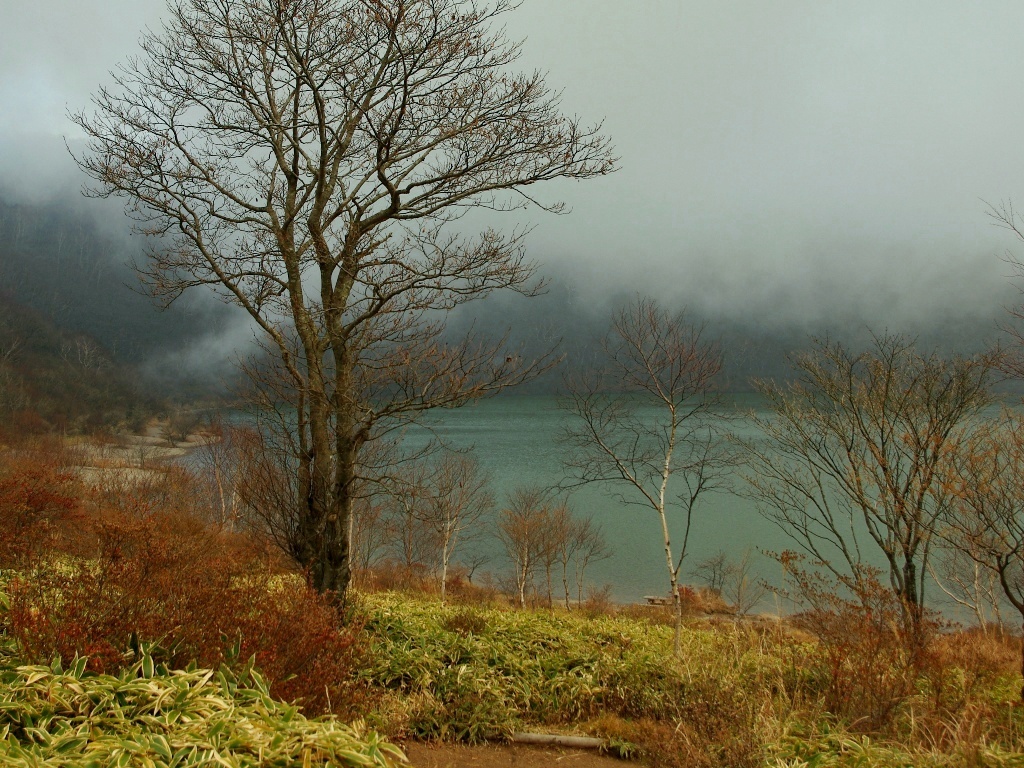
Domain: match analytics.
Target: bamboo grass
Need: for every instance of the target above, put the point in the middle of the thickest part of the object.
(152, 717)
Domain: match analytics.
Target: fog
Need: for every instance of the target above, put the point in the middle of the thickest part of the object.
(799, 167)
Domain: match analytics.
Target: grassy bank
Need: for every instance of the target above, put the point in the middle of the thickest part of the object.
(115, 599)
(740, 695)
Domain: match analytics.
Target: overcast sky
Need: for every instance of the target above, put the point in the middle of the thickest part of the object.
(785, 159)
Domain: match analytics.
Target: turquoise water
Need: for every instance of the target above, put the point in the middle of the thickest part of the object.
(516, 439)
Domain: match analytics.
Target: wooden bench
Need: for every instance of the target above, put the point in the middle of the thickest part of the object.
(658, 600)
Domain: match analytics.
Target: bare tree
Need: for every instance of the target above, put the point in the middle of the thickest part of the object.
(522, 529)
(742, 589)
(986, 522)
(472, 562)
(370, 534)
(268, 490)
(217, 461)
(653, 417)
(855, 451)
(459, 496)
(553, 545)
(732, 580)
(1006, 216)
(413, 540)
(83, 353)
(714, 571)
(588, 546)
(571, 543)
(969, 584)
(308, 159)
(562, 547)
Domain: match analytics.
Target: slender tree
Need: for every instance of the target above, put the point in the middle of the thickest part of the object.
(413, 540)
(459, 496)
(652, 417)
(217, 463)
(574, 543)
(588, 545)
(309, 159)
(522, 530)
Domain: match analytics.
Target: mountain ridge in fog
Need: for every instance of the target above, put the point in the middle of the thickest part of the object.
(68, 260)
(754, 345)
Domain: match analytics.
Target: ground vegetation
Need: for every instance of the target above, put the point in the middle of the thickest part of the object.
(124, 592)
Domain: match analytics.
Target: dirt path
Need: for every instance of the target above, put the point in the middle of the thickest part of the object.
(506, 756)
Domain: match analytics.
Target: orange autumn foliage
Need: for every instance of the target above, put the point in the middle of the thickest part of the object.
(95, 572)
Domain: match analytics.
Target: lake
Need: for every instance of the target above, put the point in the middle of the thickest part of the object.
(515, 437)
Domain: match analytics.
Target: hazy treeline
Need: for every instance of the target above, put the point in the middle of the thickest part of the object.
(754, 346)
(72, 264)
(73, 268)
(57, 379)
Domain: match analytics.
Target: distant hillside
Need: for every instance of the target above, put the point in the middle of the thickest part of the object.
(753, 347)
(64, 261)
(50, 378)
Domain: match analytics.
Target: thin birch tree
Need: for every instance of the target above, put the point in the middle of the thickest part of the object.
(459, 497)
(649, 428)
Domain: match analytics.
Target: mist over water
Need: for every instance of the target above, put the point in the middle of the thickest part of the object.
(786, 171)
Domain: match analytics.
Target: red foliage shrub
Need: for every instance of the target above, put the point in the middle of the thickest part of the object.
(139, 492)
(21, 425)
(39, 505)
(201, 595)
(698, 600)
(870, 656)
(391, 576)
(128, 559)
(307, 649)
(959, 665)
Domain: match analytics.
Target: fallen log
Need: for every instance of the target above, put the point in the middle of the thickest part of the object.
(561, 740)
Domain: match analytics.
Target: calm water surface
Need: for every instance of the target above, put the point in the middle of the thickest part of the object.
(516, 439)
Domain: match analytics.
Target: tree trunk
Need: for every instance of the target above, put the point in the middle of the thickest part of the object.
(1022, 665)
(524, 570)
(444, 570)
(672, 578)
(565, 582)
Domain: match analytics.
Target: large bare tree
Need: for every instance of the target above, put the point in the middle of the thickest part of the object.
(651, 419)
(310, 159)
(855, 452)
